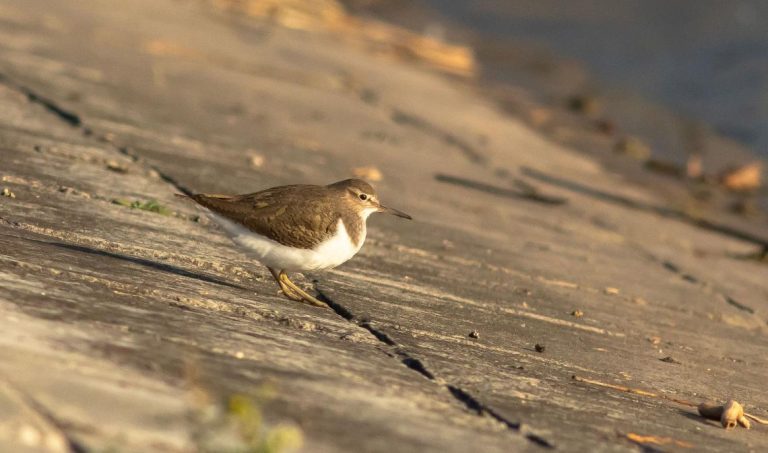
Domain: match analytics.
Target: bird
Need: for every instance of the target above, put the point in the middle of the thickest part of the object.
(297, 228)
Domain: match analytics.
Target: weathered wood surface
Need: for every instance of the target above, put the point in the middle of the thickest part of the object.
(105, 309)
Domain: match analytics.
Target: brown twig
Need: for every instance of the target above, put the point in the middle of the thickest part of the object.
(635, 391)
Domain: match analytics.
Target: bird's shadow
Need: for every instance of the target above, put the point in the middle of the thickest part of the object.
(696, 417)
(142, 262)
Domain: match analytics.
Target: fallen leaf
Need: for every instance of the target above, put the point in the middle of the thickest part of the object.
(369, 173)
(116, 166)
(744, 178)
(257, 160)
(540, 116)
(640, 301)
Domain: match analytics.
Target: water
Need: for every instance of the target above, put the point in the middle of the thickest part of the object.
(704, 58)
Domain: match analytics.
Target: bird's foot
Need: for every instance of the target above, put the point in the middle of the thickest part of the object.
(293, 292)
(288, 293)
(296, 291)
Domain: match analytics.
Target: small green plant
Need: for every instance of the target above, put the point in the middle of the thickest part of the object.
(238, 426)
(247, 417)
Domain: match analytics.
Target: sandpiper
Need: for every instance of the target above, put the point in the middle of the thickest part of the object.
(298, 227)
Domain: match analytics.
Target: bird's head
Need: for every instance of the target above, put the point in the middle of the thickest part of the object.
(364, 198)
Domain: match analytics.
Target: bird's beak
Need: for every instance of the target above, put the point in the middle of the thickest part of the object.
(394, 212)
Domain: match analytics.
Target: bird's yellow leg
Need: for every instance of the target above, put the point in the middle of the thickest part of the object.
(287, 292)
(304, 296)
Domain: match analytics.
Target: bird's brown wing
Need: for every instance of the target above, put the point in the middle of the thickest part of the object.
(296, 216)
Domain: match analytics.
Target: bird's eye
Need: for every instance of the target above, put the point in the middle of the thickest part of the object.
(363, 196)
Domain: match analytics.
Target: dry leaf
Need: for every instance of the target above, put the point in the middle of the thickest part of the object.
(257, 160)
(744, 178)
(369, 173)
(540, 116)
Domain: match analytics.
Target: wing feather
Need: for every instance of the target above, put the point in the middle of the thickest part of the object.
(295, 216)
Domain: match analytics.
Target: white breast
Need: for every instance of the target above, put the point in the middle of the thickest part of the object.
(334, 251)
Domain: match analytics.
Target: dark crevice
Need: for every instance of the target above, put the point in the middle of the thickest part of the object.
(75, 121)
(381, 336)
(341, 311)
(675, 269)
(538, 440)
(472, 403)
(68, 117)
(481, 409)
(469, 401)
(417, 366)
(523, 192)
(672, 267)
(349, 316)
(638, 205)
(126, 151)
(65, 115)
(469, 151)
(739, 305)
(689, 278)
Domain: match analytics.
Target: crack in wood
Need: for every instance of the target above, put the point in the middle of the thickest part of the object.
(674, 268)
(470, 402)
(75, 120)
(638, 205)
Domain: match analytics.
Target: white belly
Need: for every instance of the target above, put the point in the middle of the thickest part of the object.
(336, 250)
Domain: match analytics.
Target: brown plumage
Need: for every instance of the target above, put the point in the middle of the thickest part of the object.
(297, 215)
(283, 214)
